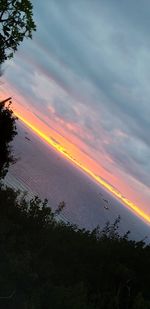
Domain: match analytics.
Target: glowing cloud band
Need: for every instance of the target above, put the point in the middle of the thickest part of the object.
(98, 179)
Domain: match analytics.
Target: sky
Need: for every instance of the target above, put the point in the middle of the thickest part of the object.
(84, 81)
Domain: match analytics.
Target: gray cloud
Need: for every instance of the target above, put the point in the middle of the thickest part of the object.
(133, 157)
(90, 62)
(64, 109)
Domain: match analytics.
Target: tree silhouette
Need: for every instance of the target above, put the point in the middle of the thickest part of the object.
(45, 263)
(16, 23)
(8, 131)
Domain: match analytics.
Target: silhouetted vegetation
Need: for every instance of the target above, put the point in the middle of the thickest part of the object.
(47, 264)
(16, 23)
(7, 133)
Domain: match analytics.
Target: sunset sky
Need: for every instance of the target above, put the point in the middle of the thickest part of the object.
(84, 82)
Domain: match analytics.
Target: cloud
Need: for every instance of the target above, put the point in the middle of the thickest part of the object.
(133, 157)
(89, 65)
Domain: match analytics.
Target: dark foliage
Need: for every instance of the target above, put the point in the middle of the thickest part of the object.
(47, 264)
(7, 133)
(16, 23)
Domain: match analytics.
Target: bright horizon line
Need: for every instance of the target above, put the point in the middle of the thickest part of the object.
(98, 179)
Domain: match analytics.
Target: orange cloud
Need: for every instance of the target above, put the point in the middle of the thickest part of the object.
(68, 154)
(72, 152)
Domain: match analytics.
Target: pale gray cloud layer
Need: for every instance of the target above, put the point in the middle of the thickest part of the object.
(90, 61)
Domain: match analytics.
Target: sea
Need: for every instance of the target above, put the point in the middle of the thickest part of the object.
(42, 171)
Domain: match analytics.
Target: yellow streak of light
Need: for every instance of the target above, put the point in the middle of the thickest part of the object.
(98, 179)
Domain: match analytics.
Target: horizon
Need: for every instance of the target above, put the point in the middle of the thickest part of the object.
(59, 148)
(83, 82)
